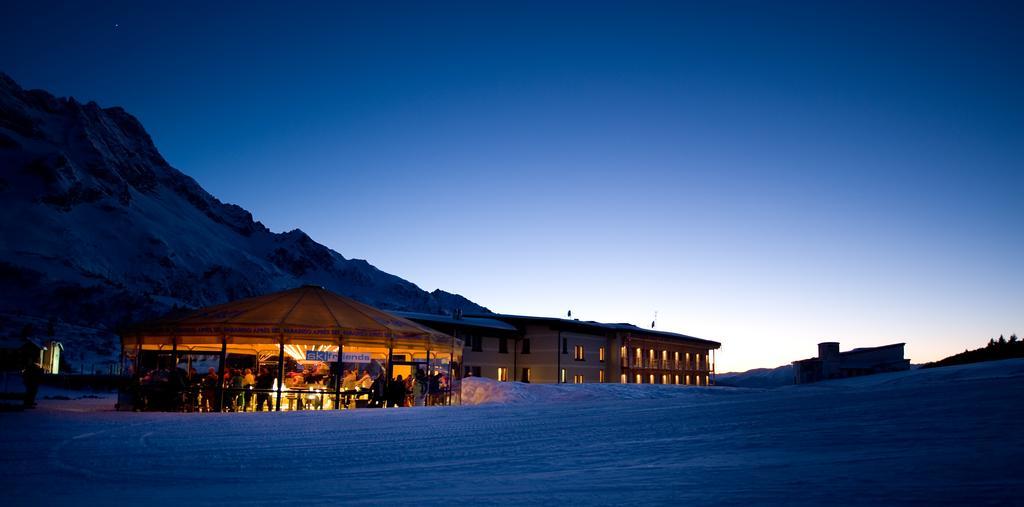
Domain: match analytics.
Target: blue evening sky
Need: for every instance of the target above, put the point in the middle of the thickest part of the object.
(769, 175)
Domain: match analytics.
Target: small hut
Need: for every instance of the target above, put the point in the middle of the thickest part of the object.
(299, 349)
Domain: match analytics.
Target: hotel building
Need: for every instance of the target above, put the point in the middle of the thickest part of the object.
(552, 350)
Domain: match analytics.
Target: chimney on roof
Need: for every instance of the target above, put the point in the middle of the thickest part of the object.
(828, 353)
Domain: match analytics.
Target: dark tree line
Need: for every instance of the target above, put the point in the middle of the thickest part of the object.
(996, 349)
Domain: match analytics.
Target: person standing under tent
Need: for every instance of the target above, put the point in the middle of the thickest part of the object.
(434, 389)
(366, 381)
(264, 384)
(210, 389)
(248, 382)
(237, 383)
(348, 382)
(377, 398)
(396, 392)
(410, 384)
(419, 388)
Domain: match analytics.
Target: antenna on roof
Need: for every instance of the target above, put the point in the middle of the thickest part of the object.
(655, 319)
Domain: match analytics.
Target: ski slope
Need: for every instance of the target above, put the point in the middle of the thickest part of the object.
(942, 436)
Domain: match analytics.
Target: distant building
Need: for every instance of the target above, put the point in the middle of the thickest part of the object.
(832, 364)
(552, 350)
(16, 353)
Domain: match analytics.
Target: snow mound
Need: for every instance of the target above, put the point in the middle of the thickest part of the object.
(759, 377)
(481, 391)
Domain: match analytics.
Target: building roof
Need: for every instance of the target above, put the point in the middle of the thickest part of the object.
(872, 349)
(590, 326)
(15, 342)
(473, 322)
(855, 351)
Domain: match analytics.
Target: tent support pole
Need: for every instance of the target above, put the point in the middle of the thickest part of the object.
(389, 368)
(124, 357)
(451, 361)
(280, 373)
(339, 372)
(138, 357)
(220, 376)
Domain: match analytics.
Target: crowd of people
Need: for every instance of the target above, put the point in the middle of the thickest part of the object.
(243, 390)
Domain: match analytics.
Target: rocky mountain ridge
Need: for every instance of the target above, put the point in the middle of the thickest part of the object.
(98, 229)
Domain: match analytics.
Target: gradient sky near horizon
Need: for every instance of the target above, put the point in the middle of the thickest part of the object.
(769, 175)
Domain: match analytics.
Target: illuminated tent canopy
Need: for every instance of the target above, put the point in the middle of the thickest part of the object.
(292, 331)
(308, 311)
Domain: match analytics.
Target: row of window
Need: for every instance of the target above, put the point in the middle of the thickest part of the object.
(652, 357)
(503, 376)
(700, 380)
(578, 351)
(476, 344)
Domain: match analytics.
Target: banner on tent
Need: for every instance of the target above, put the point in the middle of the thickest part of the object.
(328, 356)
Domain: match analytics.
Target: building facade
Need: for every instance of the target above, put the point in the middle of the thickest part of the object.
(551, 350)
(832, 364)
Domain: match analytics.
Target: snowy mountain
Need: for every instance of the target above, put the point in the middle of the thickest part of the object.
(758, 377)
(98, 229)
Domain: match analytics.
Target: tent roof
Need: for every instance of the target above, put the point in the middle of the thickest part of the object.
(308, 310)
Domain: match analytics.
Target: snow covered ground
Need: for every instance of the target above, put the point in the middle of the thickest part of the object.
(947, 435)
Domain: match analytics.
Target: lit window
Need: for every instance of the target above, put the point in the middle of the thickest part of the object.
(502, 374)
(687, 380)
(664, 378)
(526, 375)
(706, 379)
(687, 362)
(622, 378)
(577, 352)
(652, 378)
(623, 355)
(600, 376)
(651, 355)
(677, 356)
(664, 355)
(639, 379)
(577, 379)
(677, 379)
(600, 354)
(561, 377)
